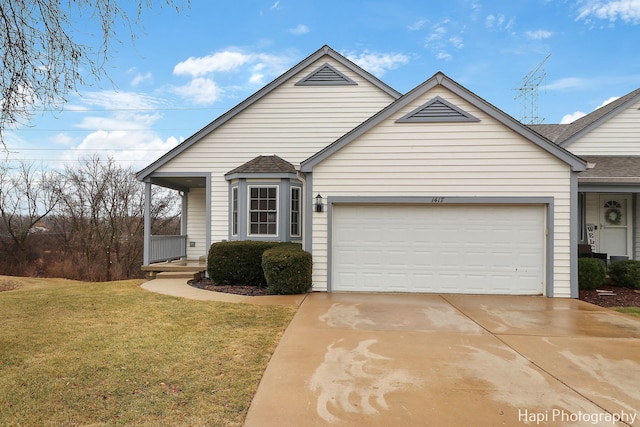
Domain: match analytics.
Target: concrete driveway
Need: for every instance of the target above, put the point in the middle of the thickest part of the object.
(451, 360)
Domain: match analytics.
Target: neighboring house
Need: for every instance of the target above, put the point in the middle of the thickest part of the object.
(432, 191)
(609, 139)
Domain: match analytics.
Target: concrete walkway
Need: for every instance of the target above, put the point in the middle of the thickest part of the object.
(451, 360)
(180, 288)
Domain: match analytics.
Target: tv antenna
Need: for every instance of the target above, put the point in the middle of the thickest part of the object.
(527, 94)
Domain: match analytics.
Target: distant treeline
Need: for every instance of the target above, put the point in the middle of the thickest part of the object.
(84, 223)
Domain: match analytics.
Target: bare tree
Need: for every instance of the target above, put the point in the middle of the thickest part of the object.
(27, 195)
(101, 214)
(44, 51)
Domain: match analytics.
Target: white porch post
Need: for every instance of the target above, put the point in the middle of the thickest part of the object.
(147, 223)
(183, 213)
(208, 214)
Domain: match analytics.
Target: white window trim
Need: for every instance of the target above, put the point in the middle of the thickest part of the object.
(249, 187)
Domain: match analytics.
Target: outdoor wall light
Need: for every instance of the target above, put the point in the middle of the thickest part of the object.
(319, 205)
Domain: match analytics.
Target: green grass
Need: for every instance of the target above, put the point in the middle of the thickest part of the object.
(113, 354)
(633, 311)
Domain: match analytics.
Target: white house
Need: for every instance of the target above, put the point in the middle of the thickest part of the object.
(434, 191)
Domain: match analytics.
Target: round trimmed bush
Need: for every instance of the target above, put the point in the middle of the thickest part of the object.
(591, 273)
(237, 263)
(625, 273)
(287, 269)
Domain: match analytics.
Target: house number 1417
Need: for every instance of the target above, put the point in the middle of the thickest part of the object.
(437, 200)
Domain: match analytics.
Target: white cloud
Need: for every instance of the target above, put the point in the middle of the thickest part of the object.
(275, 5)
(568, 83)
(570, 118)
(120, 120)
(218, 62)
(200, 90)
(63, 139)
(440, 42)
(118, 100)
(256, 79)
(122, 130)
(252, 68)
(417, 25)
(539, 34)
(608, 101)
(499, 22)
(378, 63)
(136, 149)
(456, 42)
(625, 10)
(299, 30)
(141, 78)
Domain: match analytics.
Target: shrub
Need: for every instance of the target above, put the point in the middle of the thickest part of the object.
(591, 273)
(625, 273)
(237, 263)
(287, 269)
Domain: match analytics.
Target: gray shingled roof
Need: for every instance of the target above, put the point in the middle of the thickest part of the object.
(611, 169)
(264, 164)
(561, 133)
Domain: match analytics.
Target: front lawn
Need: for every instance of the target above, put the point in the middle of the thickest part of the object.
(633, 311)
(74, 353)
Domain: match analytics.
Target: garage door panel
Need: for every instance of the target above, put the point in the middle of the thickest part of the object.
(458, 249)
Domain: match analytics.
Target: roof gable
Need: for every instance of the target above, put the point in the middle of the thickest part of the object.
(325, 75)
(437, 110)
(317, 55)
(441, 79)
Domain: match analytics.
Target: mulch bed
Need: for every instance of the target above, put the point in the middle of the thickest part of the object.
(208, 285)
(624, 297)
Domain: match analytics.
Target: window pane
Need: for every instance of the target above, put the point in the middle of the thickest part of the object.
(263, 216)
(295, 211)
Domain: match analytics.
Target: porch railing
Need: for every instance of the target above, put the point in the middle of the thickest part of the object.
(164, 248)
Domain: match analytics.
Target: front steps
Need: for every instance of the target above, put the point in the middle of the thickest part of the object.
(197, 275)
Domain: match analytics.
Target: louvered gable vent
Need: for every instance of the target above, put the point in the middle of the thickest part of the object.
(326, 75)
(437, 110)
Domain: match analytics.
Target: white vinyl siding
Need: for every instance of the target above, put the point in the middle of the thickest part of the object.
(196, 223)
(618, 136)
(445, 159)
(293, 122)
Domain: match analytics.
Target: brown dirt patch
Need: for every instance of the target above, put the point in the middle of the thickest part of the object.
(8, 285)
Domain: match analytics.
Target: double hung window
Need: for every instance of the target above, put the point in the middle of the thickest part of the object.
(263, 211)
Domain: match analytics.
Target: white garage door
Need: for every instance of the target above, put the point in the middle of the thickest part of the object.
(438, 248)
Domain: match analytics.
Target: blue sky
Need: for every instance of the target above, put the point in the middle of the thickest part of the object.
(185, 69)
